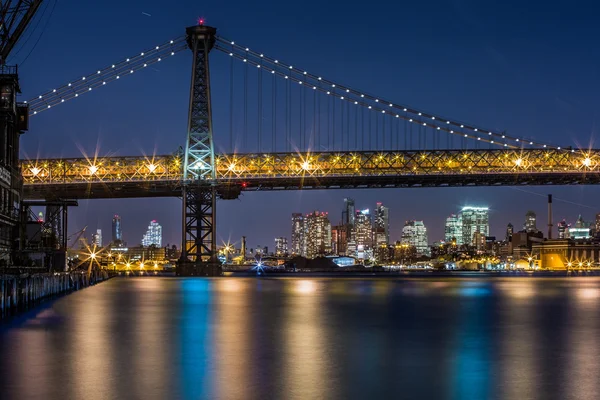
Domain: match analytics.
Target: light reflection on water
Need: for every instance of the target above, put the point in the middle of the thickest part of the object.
(246, 338)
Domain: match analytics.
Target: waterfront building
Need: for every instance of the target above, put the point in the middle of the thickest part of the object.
(381, 226)
(453, 229)
(117, 235)
(567, 253)
(318, 234)
(298, 245)
(474, 219)
(414, 234)
(281, 246)
(153, 236)
(597, 232)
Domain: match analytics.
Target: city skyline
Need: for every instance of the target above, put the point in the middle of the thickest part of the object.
(128, 118)
(499, 217)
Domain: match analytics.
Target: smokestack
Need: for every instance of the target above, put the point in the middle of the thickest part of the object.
(549, 216)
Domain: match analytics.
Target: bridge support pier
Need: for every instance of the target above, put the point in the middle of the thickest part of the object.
(198, 251)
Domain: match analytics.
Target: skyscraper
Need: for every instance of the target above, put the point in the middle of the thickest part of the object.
(509, 232)
(153, 235)
(530, 222)
(453, 229)
(363, 229)
(563, 229)
(474, 219)
(348, 212)
(117, 236)
(97, 238)
(597, 233)
(382, 225)
(281, 246)
(414, 233)
(318, 234)
(298, 246)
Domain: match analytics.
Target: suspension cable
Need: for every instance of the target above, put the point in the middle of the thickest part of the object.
(451, 126)
(101, 77)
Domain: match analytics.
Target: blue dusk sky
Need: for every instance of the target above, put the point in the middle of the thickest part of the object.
(530, 68)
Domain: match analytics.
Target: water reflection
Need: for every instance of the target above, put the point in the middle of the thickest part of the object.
(157, 338)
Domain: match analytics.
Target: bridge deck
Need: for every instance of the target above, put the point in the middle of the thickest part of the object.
(160, 176)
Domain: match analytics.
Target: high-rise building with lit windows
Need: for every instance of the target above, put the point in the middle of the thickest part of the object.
(453, 229)
(318, 234)
(363, 229)
(298, 231)
(381, 226)
(97, 238)
(153, 235)
(117, 235)
(281, 246)
(414, 233)
(348, 212)
(530, 222)
(474, 219)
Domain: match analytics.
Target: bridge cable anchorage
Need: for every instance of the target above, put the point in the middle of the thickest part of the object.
(376, 104)
(101, 77)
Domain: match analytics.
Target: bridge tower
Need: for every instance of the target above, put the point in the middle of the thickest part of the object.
(198, 251)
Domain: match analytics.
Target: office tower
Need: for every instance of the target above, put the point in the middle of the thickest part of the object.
(382, 225)
(298, 247)
(318, 234)
(597, 233)
(363, 229)
(153, 235)
(530, 222)
(97, 238)
(348, 212)
(509, 232)
(563, 229)
(453, 229)
(117, 236)
(414, 233)
(581, 230)
(339, 239)
(474, 219)
(281, 246)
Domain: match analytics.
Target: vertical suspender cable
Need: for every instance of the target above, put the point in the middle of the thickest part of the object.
(314, 124)
(355, 129)
(333, 124)
(287, 116)
(246, 105)
(231, 96)
(274, 114)
(259, 108)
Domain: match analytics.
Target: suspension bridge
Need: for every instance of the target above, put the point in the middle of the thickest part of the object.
(297, 130)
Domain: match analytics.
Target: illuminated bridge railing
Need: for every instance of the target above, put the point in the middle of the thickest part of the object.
(319, 170)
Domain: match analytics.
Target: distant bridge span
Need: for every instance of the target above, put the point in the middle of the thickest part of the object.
(161, 176)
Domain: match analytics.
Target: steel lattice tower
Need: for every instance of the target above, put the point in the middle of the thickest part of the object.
(198, 252)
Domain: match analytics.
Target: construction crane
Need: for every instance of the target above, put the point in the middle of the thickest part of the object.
(15, 16)
(77, 235)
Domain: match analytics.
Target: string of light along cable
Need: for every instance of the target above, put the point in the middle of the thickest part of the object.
(105, 75)
(372, 102)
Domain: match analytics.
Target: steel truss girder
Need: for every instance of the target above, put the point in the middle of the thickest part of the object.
(163, 175)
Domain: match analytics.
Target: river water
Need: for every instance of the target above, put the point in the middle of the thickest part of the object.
(314, 338)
